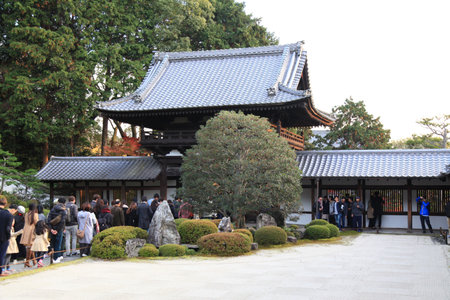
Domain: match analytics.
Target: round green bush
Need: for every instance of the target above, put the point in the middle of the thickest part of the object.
(191, 252)
(334, 230)
(294, 227)
(149, 250)
(317, 222)
(270, 235)
(316, 232)
(191, 230)
(172, 250)
(110, 243)
(245, 232)
(180, 220)
(224, 244)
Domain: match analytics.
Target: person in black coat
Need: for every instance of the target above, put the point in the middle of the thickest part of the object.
(56, 221)
(131, 218)
(377, 204)
(144, 214)
(19, 223)
(6, 219)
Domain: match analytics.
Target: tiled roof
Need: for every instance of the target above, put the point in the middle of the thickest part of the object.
(218, 78)
(99, 168)
(373, 163)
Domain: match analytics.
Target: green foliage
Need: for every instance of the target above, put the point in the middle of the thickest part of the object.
(270, 235)
(191, 252)
(252, 230)
(224, 244)
(334, 230)
(316, 232)
(172, 250)
(149, 250)
(110, 243)
(426, 141)
(245, 232)
(8, 169)
(317, 222)
(354, 128)
(294, 227)
(240, 165)
(439, 126)
(191, 230)
(180, 220)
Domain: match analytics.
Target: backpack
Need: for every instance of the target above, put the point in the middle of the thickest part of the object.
(103, 223)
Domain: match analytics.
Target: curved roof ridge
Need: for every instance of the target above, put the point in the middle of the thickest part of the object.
(225, 52)
(380, 151)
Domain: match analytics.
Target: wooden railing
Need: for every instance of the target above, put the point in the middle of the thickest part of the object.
(294, 140)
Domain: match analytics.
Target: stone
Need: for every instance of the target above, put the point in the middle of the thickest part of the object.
(163, 229)
(265, 220)
(292, 239)
(133, 246)
(254, 246)
(225, 225)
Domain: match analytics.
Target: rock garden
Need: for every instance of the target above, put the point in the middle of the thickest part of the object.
(169, 237)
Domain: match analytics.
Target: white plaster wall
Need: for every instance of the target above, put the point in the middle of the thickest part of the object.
(436, 222)
(303, 220)
(305, 199)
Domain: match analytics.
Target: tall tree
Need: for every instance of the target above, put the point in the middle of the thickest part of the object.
(355, 128)
(240, 165)
(425, 141)
(439, 126)
(47, 75)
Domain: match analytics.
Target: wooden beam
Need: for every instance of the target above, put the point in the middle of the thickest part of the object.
(104, 135)
(409, 189)
(313, 183)
(52, 194)
(123, 193)
(163, 181)
(86, 191)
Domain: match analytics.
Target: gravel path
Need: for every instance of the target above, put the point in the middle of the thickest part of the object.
(367, 267)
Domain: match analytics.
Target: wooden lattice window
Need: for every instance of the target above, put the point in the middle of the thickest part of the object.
(341, 193)
(393, 199)
(438, 199)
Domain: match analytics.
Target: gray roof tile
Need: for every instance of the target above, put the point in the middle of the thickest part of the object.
(374, 163)
(99, 168)
(218, 78)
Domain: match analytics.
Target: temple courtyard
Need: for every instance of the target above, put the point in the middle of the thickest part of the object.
(369, 266)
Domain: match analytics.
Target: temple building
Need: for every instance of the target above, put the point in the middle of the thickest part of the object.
(182, 90)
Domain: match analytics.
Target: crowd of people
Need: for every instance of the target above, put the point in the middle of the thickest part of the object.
(344, 212)
(32, 235)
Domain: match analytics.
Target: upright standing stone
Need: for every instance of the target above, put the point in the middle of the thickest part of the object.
(163, 229)
(265, 220)
(225, 225)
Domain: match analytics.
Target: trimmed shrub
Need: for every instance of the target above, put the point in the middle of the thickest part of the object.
(245, 232)
(191, 230)
(270, 235)
(172, 250)
(191, 252)
(316, 232)
(224, 244)
(149, 250)
(294, 227)
(110, 243)
(252, 230)
(334, 230)
(317, 222)
(180, 220)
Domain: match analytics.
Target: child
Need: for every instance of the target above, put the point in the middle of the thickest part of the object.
(12, 248)
(41, 243)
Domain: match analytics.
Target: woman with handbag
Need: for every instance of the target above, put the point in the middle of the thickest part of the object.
(31, 218)
(87, 224)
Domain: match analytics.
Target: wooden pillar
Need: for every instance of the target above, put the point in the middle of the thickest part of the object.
(86, 191)
(104, 135)
(107, 191)
(361, 194)
(142, 190)
(409, 189)
(313, 197)
(52, 194)
(163, 181)
(279, 127)
(123, 193)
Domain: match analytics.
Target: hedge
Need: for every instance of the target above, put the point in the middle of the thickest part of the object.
(245, 232)
(224, 244)
(149, 250)
(172, 250)
(317, 222)
(180, 220)
(334, 230)
(316, 232)
(191, 230)
(270, 235)
(110, 243)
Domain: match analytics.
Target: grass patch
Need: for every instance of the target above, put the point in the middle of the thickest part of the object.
(349, 232)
